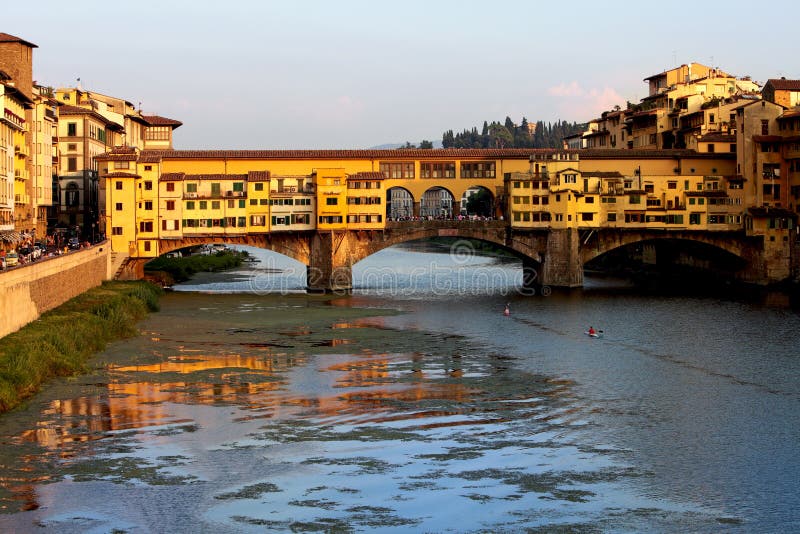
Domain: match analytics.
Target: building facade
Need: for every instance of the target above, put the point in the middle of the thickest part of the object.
(160, 195)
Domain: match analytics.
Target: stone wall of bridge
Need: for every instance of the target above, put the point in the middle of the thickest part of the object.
(762, 264)
(550, 257)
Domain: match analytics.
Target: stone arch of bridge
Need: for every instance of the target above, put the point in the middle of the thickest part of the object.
(437, 201)
(488, 209)
(361, 245)
(595, 244)
(399, 203)
(295, 245)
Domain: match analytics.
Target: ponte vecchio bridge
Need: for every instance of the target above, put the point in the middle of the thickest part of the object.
(556, 210)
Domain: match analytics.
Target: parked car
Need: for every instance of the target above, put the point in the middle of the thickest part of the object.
(2, 263)
(12, 259)
(74, 243)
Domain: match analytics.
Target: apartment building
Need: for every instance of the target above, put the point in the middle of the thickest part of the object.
(16, 62)
(14, 105)
(91, 124)
(44, 156)
(683, 105)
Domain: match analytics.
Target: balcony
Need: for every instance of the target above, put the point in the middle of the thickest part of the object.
(235, 194)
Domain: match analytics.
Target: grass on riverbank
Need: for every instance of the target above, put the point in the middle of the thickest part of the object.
(182, 269)
(62, 340)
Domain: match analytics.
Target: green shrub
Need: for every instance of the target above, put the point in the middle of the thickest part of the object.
(61, 342)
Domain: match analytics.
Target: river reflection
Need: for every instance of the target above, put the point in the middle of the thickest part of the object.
(419, 411)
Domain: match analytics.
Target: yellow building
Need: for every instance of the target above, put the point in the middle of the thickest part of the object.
(257, 193)
(13, 172)
(331, 188)
(44, 131)
(235, 193)
(90, 124)
(292, 203)
(366, 208)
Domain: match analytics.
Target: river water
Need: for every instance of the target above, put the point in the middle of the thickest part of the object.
(415, 405)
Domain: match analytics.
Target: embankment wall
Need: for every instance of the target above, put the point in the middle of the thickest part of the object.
(29, 291)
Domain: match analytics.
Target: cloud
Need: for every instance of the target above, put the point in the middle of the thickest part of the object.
(570, 89)
(574, 101)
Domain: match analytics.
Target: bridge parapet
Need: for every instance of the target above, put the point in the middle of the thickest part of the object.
(445, 223)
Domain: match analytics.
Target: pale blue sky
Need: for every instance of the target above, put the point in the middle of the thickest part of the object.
(355, 74)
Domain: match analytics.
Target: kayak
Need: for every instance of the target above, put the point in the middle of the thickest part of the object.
(599, 333)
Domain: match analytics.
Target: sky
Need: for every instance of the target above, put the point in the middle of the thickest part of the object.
(300, 74)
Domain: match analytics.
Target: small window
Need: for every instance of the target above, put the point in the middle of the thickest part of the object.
(118, 185)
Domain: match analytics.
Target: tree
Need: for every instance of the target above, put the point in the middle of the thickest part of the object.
(425, 144)
(480, 203)
(500, 136)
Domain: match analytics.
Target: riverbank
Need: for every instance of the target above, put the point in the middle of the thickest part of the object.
(167, 271)
(62, 340)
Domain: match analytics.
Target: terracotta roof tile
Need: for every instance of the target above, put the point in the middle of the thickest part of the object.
(717, 137)
(601, 174)
(369, 175)
(66, 109)
(215, 177)
(387, 155)
(8, 38)
(258, 176)
(149, 158)
(117, 157)
(782, 84)
(119, 174)
(155, 120)
(171, 176)
(589, 154)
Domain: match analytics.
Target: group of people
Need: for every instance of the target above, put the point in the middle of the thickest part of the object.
(459, 218)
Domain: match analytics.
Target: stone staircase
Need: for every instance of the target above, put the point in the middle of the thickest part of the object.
(117, 264)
